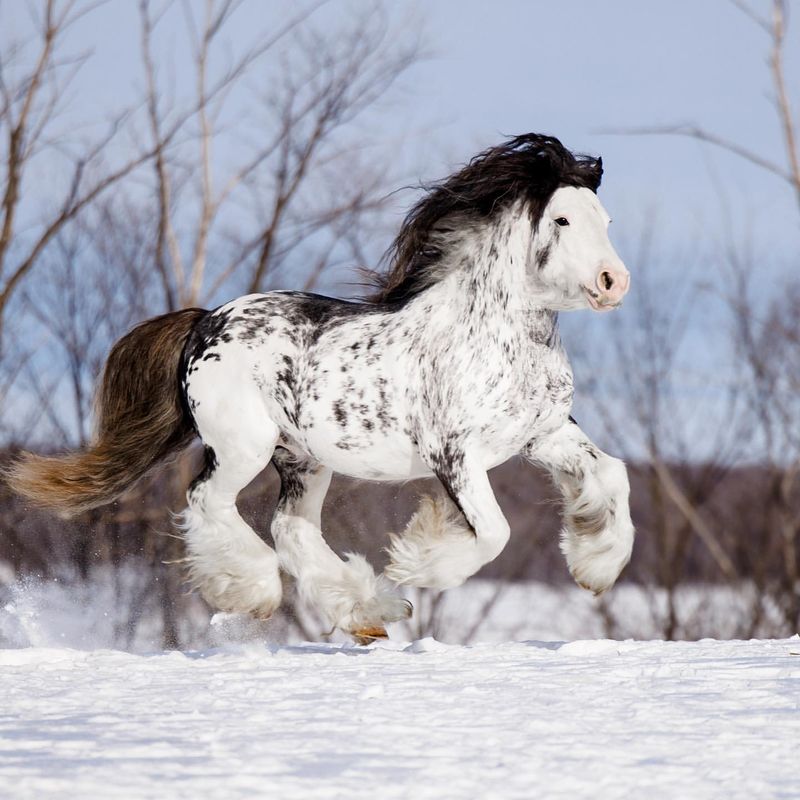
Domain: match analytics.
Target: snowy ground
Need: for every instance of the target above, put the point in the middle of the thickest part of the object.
(242, 714)
(594, 718)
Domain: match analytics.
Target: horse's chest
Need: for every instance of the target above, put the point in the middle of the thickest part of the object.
(535, 398)
(500, 401)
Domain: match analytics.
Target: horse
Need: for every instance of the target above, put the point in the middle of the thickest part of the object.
(451, 366)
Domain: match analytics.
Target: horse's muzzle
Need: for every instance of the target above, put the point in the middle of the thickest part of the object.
(611, 285)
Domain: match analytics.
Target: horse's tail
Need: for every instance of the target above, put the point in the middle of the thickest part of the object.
(141, 419)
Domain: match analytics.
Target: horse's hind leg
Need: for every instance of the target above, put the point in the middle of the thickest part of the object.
(232, 567)
(347, 593)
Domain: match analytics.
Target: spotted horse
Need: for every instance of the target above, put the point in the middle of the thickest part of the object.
(452, 366)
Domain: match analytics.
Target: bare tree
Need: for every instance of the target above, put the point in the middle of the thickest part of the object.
(774, 27)
(34, 77)
(287, 152)
(761, 414)
(261, 171)
(650, 410)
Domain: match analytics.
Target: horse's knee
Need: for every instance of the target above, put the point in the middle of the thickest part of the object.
(613, 476)
(304, 484)
(440, 549)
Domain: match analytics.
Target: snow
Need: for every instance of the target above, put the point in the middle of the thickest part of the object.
(422, 719)
(107, 612)
(545, 706)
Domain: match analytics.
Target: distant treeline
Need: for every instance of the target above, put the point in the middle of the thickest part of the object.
(738, 507)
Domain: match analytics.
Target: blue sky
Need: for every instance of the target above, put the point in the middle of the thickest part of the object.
(577, 68)
(573, 68)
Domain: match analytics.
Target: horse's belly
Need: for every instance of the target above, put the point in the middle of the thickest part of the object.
(389, 457)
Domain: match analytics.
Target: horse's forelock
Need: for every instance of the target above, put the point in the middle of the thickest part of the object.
(529, 167)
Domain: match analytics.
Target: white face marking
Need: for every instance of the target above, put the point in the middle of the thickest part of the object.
(573, 263)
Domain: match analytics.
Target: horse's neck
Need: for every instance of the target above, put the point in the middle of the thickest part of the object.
(488, 291)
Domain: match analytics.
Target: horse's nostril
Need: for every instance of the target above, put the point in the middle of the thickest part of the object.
(606, 280)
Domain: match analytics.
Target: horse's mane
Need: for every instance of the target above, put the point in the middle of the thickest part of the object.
(529, 167)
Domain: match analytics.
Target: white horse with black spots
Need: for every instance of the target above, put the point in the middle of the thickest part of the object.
(453, 366)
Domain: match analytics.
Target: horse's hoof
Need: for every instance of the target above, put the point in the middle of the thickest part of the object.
(368, 635)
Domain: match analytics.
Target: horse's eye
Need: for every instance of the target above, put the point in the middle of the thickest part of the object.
(562, 221)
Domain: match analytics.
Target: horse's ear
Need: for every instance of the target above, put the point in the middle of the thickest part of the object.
(595, 173)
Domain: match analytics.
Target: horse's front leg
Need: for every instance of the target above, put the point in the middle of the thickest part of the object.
(597, 537)
(445, 542)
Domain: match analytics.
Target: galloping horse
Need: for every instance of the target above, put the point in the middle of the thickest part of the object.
(452, 367)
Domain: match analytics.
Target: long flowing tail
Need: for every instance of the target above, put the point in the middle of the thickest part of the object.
(141, 420)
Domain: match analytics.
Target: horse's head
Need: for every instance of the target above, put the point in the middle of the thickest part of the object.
(546, 194)
(573, 263)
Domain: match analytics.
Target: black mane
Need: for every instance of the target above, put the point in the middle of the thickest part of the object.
(529, 167)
